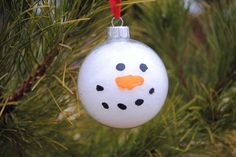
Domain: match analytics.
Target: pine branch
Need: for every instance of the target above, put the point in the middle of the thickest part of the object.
(26, 86)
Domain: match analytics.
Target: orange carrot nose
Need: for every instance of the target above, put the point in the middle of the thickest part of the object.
(129, 81)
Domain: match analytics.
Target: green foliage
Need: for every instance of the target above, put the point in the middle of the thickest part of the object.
(199, 114)
(198, 118)
(30, 32)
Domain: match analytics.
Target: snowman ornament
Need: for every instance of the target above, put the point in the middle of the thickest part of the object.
(122, 83)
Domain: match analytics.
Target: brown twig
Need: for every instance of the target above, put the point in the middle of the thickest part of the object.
(26, 86)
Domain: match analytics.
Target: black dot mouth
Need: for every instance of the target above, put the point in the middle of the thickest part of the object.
(122, 106)
(105, 105)
(139, 102)
(151, 91)
(99, 88)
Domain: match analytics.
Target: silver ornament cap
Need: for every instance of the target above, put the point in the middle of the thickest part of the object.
(118, 32)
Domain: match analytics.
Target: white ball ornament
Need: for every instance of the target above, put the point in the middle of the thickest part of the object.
(122, 83)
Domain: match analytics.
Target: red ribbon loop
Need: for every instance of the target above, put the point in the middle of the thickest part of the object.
(116, 7)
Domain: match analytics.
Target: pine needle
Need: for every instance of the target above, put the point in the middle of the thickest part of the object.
(3, 107)
(58, 106)
(63, 84)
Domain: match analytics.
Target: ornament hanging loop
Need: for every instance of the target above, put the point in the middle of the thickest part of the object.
(113, 21)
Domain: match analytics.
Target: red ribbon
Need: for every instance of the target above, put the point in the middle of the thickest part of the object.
(116, 7)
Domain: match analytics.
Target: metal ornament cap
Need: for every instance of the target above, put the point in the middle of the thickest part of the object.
(118, 32)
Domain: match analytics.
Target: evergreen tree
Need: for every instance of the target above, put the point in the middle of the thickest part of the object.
(43, 43)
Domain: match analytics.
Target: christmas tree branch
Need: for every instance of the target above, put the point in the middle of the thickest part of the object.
(26, 86)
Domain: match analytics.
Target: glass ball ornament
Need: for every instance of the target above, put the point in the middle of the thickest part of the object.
(122, 83)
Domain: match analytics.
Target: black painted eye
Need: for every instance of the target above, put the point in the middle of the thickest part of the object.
(143, 67)
(120, 67)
